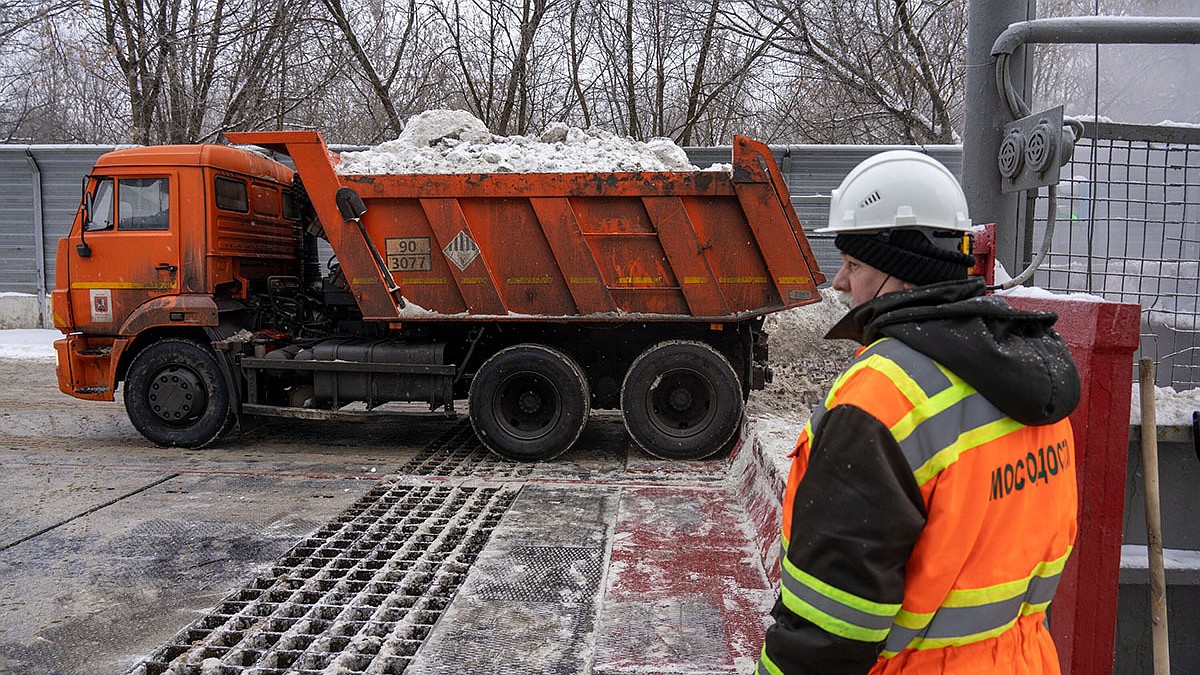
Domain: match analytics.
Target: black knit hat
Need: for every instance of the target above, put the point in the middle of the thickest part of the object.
(906, 255)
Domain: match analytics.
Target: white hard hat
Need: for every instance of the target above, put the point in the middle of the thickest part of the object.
(898, 189)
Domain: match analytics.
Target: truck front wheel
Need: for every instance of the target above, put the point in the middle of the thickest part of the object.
(681, 400)
(529, 402)
(175, 395)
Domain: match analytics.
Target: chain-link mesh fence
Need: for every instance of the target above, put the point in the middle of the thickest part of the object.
(1128, 229)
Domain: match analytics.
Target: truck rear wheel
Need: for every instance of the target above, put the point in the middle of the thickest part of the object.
(175, 395)
(681, 400)
(529, 402)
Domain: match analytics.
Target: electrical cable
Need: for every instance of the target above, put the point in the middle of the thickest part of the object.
(1052, 206)
(1018, 109)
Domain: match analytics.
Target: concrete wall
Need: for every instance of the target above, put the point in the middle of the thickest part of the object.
(19, 310)
(42, 187)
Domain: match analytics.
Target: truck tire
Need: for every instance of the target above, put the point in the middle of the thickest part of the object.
(175, 395)
(529, 402)
(681, 400)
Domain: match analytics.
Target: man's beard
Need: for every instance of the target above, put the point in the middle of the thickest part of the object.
(846, 299)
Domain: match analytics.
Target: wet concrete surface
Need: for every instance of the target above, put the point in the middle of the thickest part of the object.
(606, 561)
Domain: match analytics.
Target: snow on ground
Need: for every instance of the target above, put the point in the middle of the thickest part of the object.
(28, 344)
(803, 363)
(454, 141)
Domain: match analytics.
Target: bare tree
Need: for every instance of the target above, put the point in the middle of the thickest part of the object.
(394, 42)
(140, 34)
(579, 37)
(894, 57)
(696, 70)
(497, 48)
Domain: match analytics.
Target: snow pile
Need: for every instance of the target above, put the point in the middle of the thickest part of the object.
(455, 141)
(1171, 408)
(804, 364)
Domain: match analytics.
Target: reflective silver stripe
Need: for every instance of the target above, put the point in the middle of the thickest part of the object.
(900, 637)
(943, 429)
(949, 623)
(922, 369)
(1042, 589)
(832, 607)
(815, 419)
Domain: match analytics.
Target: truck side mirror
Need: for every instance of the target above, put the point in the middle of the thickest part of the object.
(350, 204)
(82, 247)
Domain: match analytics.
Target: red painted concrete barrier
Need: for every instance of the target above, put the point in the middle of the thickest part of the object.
(1102, 337)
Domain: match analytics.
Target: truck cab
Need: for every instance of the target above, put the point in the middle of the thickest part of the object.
(162, 236)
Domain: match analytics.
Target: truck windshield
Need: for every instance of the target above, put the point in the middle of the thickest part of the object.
(102, 207)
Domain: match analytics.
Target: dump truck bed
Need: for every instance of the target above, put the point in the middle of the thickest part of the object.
(710, 246)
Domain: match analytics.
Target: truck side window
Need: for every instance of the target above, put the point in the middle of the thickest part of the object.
(231, 194)
(102, 207)
(143, 204)
(290, 212)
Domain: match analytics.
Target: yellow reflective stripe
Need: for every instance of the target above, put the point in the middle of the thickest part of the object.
(766, 665)
(123, 285)
(938, 643)
(833, 609)
(970, 439)
(954, 379)
(899, 377)
(971, 615)
(882, 609)
(913, 620)
(970, 597)
(930, 407)
(831, 624)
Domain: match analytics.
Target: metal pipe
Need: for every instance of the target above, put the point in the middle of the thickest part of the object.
(986, 115)
(39, 237)
(1099, 30)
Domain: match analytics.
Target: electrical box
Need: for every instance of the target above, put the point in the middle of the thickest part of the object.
(1032, 151)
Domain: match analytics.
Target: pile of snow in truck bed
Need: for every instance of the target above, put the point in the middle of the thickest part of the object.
(455, 141)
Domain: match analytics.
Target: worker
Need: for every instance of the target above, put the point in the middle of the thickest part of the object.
(931, 501)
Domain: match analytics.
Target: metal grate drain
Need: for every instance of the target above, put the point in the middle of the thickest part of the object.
(359, 596)
(458, 452)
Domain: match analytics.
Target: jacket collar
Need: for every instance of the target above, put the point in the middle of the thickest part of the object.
(861, 323)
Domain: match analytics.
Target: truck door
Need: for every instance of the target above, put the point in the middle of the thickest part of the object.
(128, 252)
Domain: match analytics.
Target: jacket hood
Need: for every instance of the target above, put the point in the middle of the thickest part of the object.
(1014, 358)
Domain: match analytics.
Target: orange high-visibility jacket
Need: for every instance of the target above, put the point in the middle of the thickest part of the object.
(925, 529)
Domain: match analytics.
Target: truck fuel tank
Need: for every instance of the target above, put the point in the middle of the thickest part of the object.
(408, 381)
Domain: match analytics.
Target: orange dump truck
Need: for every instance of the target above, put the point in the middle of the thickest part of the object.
(192, 276)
